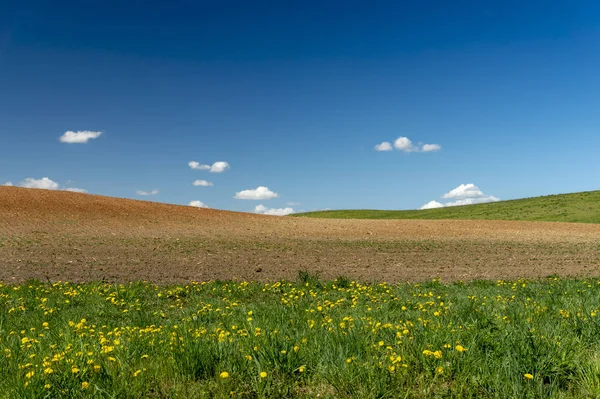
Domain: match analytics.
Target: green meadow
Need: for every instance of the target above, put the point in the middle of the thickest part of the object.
(577, 207)
(302, 339)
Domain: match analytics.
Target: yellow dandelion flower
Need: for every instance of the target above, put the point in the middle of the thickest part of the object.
(30, 374)
(263, 374)
(528, 376)
(460, 348)
(439, 370)
(224, 374)
(47, 386)
(302, 369)
(85, 385)
(75, 370)
(48, 370)
(137, 372)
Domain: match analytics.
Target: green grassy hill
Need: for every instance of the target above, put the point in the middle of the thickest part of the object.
(577, 207)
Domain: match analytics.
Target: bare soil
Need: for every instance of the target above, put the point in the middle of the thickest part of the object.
(52, 236)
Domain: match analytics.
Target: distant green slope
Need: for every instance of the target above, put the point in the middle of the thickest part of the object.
(577, 207)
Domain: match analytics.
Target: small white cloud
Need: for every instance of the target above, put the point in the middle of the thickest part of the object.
(75, 190)
(403, 144)
(80, 137)
(465, 194)
(202, 183)
(44, 183)
(273, 211)
(431, 147)
(198, 204)
(8, 183)
(464, 191)
(385, 146)
(198, 166)
(471, 201)
(259, 193)
(292, 203)
(153, 192)
(260, 209)
(406, 145)
(432, 205)
(217, 167)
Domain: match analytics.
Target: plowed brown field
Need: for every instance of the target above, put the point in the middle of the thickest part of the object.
(50, 235)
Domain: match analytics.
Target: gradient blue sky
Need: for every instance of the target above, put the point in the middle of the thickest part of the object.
(295, 95)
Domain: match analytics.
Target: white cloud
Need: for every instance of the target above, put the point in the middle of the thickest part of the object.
(385, 146)
(80, 137)
(198, 166)
(202, 183)
(259, 193)
(260, 209)
(465, 194)
(292, 203)
(8, 183)
(153, 192)
(198, 204)
(471, 201)
(431, 147)
(406, 145)
(432, 205)
(217, 167)
(44, 183)
(464, 191)
(403, 144)
(75, 190)
(273, 211)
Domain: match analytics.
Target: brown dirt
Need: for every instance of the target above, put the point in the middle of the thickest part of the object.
(50, 235)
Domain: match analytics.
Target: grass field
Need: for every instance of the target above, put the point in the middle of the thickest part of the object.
(577, 207)
(307, 339)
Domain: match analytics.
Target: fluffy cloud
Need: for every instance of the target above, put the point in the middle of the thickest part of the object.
(432, 205)
(198, 204)
(153, 192)
(75, 190)
(471, 201)
(464, 191)
(217, 167)
(465, 194)
(403, 144)
(431, 147)
(385, 146)
(259, 193)
(273, 211)
(202, 183)
(80, 137)
(44, 183)
(198, 166)
(406, 145)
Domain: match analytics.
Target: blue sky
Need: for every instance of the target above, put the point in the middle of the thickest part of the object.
(294, 96)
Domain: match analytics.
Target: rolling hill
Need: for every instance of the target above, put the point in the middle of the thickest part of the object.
(581, 207)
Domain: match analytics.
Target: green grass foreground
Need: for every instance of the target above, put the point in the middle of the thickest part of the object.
(577, 207)
(308, 339)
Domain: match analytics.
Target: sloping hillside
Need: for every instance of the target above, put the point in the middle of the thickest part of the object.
(576, 207)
